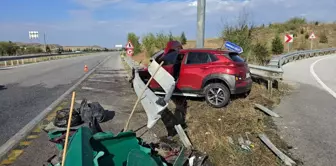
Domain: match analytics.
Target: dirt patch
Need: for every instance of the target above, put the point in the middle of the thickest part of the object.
(209, 128)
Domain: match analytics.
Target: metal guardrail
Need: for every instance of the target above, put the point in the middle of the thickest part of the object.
(273, 70)
(152, 104)
(266, 72)
(279, 61)
(8, 58)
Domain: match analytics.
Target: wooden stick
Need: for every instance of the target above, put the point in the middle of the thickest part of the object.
(68, 128)
(140, 96)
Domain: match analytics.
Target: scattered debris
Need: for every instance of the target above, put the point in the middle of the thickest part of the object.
(288, 161)
(185, 140)
(191, 160)
(243, 144)
(267, 111)
(230, 140)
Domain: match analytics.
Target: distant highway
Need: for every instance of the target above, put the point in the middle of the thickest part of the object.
(30, 89)
(309, 113)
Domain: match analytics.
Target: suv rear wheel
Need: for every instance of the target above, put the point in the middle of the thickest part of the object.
(217, 95)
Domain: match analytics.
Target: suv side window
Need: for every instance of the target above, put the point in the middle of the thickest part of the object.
(200, 58)
(169, 58)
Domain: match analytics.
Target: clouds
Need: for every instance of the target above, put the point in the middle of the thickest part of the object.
(107, 22)
(94, 4)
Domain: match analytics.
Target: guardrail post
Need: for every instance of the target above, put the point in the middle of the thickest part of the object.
(12, 63)
(5, 63)
(35, 60)
(269, 86)
(22, 61)
(17, 62)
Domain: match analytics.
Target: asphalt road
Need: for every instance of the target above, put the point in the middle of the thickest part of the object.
(30, 89)
(309, 113)
(109, 86)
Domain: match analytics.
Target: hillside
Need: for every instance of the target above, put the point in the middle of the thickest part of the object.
(301, 33)
(263, 36)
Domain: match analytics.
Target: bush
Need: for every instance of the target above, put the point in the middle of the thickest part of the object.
(323, 38)
(307, 36)
(302, 31)
(135, 41)
(48, 49)
(297, 21)
(8, 48)
(261, 53)
(316, 23)
(277, 46)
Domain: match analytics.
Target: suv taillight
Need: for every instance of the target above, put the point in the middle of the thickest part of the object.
(231, 64)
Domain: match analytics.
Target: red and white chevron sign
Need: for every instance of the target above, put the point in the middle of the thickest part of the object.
(289, 38)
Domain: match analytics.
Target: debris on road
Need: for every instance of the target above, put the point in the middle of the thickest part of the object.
(106, 148)
(183, 136)
(288, 161)
(267, 111)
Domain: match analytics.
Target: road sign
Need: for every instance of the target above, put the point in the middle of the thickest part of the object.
(129, 45)
(33, 34)
(233, 47)
(129, 52)
(289, 38)
(312, 36)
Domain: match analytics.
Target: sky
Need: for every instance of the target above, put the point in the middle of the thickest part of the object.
(107, 22)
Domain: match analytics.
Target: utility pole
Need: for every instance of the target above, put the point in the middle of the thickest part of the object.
(200, 23)
(45, 43)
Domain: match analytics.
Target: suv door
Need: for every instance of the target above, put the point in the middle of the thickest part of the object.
(195, 66)
(169, 61)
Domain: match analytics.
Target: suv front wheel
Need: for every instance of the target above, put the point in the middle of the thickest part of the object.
(217, 95)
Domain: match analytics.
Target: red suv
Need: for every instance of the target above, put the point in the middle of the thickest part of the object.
(210, 73)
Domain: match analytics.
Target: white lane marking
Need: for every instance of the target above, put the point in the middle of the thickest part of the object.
(97, 90)
(325, 87)
(105, 81)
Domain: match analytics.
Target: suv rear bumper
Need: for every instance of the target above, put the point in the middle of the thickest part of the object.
(242, 89)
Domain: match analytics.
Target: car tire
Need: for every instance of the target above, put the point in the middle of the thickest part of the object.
(222, 98)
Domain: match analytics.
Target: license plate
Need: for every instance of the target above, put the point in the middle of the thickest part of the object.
(248, 75)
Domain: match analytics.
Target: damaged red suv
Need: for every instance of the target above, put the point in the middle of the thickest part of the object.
(210, 73)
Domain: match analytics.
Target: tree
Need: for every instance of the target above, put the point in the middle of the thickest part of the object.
(48, 49)
(240, 33)
(261, 53)
(171, 37)
(161, 40)
(135, 41)
(277, 46)
(183, 39)
(323, 38)
(10, 48)
(148, 42)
